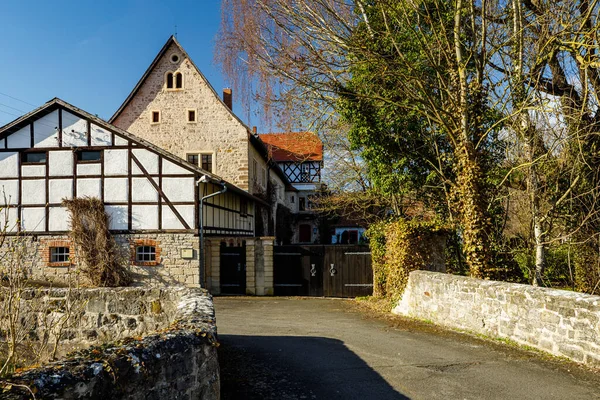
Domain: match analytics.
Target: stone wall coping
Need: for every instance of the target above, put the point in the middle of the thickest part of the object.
(520, 287)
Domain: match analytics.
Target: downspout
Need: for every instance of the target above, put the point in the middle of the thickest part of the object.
(205, 179)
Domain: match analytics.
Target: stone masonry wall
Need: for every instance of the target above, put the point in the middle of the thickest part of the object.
(171, 267)
(101, 315)
(216, 130)
(560, 322)
(180, 362)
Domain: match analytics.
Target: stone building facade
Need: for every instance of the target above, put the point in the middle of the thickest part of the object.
(175, 107)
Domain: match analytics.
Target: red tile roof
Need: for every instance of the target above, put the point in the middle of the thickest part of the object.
(294, 146)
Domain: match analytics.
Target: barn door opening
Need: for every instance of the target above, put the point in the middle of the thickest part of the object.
(233, 270)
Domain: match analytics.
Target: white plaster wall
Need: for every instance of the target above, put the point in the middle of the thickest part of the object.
(33, 191)
(60, 219)
(89, 187)
(60, 189)
(89, 169)
(60, 163)
(170, 220)
(33, 170)
(170, 168)
(142, 190)
(179, 189)
(9, 165)
(144, 217)
(20, 139)
(115, 162)
(10, 217)
(116, 190)
(9, 192)
(74, 132)
(33, 219)
(118, 216)
(120, 141)
(45, 130)
(100, 136)
(148, 159)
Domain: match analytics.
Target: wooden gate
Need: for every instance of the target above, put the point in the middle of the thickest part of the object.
(233, 270)
(315, 270)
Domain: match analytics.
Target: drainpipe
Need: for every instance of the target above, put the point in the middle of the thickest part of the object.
(205, 179)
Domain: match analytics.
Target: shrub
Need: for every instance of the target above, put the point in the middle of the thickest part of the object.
(401, 246)
(100, 259)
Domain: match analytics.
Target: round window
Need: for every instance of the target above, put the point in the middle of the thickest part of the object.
(174, 58)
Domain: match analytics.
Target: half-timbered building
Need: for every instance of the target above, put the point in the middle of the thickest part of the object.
(300, 156)
(61, 152)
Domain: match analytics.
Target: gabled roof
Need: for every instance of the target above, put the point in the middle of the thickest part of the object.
(161, 53)
(258, 145)
(294, 146)
(56, 103)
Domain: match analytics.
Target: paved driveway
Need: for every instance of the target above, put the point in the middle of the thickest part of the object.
(291, 348)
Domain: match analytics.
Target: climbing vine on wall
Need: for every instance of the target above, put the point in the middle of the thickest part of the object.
(101, 260)
(401, 246)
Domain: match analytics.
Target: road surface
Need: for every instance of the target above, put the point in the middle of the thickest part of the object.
(297, 348)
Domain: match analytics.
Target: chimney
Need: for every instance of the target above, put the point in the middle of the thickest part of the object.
(227, 98)
(254, 130)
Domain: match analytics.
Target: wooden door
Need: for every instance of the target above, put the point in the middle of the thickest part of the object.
(290, 275)
(233, 270)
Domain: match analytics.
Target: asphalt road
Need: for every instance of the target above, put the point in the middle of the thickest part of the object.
(292, 348)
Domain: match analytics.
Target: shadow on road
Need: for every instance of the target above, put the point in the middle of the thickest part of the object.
(290, 367)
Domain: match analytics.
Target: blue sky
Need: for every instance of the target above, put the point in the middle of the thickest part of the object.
(92, 53)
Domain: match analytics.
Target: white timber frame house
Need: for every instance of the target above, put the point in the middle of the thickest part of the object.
(59, 151)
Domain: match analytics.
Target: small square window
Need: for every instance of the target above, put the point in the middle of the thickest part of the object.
(34, 158)
(192, 159)
(191, 115)
(206, 162)
(145, 253)
(155, 117)
(59, 254)
(89, 155)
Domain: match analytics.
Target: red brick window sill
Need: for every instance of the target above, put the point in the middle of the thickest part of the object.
(47, 246)
(133, 246)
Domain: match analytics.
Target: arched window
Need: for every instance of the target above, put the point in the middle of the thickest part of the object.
(169, 80)
(178, 80)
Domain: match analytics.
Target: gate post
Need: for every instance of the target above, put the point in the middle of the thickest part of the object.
(250, 267)
(267, 243)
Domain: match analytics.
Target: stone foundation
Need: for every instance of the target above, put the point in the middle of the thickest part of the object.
(171, 268)
(560, 322)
